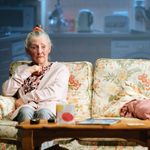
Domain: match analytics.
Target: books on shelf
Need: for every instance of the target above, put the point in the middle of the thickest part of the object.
(101, 121)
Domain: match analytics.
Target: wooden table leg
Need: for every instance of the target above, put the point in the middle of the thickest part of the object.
(27, 140)
(148, 140)
(148, 144)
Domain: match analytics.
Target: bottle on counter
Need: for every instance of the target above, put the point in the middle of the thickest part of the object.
(57, 22)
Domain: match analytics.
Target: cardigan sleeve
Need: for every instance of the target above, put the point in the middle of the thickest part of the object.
(53, 88)
(11, 86)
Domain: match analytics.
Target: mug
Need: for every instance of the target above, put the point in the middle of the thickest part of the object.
(85, 20)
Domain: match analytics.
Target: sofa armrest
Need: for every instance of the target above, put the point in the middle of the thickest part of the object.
(7, 105)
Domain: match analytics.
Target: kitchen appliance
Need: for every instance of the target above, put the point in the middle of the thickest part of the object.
(57, 22)
(141, 15)
(85, 20)
(17, 19)
(116, 23)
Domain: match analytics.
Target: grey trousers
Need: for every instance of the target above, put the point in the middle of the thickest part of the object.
(27, 113)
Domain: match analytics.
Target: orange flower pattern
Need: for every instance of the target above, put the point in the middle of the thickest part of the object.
(73, 83)
(145, 81)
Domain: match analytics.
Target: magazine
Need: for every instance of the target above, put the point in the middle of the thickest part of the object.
(104, 121)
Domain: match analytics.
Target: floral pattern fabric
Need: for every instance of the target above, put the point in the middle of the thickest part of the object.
(102, 145)
(34, 79)
(4, 146)
(7, 105)
(117, 81)
(8, 131)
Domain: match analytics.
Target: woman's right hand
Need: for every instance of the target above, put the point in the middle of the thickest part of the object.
(35, 69)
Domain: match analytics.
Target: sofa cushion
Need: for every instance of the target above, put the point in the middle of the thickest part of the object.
(8, 129)
(4, 146)
(6, 106)
(116, 82)
(8, 135)
(80, 86)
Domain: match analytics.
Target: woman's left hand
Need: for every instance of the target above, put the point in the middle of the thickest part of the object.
(18, 103)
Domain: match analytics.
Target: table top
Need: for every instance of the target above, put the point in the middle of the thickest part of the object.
(128, 124)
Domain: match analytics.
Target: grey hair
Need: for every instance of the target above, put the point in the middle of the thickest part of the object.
(36, 34)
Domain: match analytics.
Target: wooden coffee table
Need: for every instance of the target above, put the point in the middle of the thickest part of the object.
(130, 129)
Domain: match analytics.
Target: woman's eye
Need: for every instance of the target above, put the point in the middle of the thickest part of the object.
(43, 47)
(33, 47)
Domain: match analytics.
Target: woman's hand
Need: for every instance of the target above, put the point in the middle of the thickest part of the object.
(19, 102)
(35, 69)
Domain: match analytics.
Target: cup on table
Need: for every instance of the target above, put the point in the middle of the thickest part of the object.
(65, 113)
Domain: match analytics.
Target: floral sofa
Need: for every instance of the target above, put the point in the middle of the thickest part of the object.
(98, 90)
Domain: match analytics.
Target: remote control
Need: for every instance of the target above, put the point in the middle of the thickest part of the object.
(35, 121)
(51, 120)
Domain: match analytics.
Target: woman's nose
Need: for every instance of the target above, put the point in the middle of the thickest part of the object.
(39, 49)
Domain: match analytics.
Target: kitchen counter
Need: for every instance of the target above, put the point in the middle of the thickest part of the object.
(4, 37)
(77, 46)
(132, 34)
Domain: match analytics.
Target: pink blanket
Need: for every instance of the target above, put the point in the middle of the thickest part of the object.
(136, 109)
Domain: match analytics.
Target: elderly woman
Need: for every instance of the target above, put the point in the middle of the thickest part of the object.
(40, 85)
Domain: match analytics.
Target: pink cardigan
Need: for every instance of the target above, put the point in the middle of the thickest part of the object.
(52, 88)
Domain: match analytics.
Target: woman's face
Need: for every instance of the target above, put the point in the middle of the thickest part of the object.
(39, 49)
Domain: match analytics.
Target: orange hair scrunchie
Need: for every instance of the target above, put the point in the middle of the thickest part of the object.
(38, 29)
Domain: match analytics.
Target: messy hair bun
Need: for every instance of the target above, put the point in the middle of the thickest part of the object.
(38, 28)
(37, 31)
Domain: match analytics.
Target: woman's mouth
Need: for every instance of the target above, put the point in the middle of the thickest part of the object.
(40, 56)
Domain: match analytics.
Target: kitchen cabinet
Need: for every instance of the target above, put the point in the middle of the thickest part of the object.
(11, 49)
(90, 46)
(79, 46)
(131, 48)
